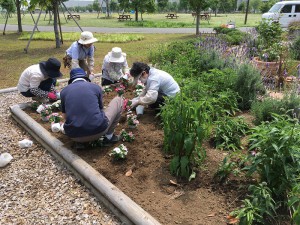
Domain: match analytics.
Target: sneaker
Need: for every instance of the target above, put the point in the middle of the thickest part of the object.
(113, 140)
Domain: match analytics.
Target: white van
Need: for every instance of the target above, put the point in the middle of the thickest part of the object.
(284, 12)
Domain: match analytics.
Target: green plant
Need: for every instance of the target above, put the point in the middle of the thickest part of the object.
(126, 136)
(228, 133)
(186, 124)
(224, 170)
(293, 26)
(276, 159)
(257, 206)
(248, 85)
(119, 152)
(269, 40)
(263, 110)
(55, 118)
(295, 48)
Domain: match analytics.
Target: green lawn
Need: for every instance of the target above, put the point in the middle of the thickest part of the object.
(13, 60)
(155, 20)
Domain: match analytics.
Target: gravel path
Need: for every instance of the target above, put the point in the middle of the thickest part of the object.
(35, 188)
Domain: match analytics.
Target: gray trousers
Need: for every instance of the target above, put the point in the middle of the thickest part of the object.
(113, 113)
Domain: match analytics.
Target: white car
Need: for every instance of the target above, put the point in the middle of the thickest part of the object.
(284, 13)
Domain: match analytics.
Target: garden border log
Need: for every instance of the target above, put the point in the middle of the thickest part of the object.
(120, 204)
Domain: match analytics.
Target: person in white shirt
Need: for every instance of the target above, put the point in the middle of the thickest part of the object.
(114, 67)
(158, 85)
(81, 54)
(37, 81)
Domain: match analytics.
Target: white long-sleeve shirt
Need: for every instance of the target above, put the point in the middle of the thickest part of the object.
(158, 82)
(114, 71)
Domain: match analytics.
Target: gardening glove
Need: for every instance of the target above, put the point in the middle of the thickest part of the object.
(52, 96)
(134, 103)
(57, 95)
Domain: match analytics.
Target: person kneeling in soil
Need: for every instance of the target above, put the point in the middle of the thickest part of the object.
(82, 108)
(114, 67)
(158, 85)
(38, 81)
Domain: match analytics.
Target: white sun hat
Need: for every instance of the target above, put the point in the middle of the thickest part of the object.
(87, 37)
(116, 55)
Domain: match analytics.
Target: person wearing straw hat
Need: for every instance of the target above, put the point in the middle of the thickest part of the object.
(81, 53)
(158, 85)
(85, 117)
(114, 67)
(38, 81)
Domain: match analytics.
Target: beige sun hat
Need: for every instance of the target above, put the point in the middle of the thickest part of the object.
(116, 55)
(87, 37)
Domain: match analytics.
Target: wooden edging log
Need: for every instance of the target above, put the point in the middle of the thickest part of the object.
(114, 199)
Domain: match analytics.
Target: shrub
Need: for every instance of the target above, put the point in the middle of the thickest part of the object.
(248, 85)
(263, 110)
(295, 48)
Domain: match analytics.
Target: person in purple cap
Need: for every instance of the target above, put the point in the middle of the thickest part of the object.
(85, 117)
(38, 80)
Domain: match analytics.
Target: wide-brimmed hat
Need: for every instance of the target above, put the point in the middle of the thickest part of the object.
(77, 73)
(87, 37)
(51, 68)
(116, 55)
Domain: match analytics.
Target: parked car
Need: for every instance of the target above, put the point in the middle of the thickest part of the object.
(284, 13)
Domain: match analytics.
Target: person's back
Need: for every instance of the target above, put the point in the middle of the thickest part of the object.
(82, 108)
(167, 85)
(86, 116)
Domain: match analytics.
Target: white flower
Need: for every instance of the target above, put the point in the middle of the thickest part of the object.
(117, 150)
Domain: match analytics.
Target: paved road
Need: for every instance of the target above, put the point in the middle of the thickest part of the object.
(116, 30)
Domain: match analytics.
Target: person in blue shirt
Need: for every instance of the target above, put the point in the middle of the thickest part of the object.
(82, 107)
(81, 53)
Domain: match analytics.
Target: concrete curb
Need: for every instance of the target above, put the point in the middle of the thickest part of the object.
(120, 204)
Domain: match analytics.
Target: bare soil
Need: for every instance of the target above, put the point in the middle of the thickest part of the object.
(170, 200)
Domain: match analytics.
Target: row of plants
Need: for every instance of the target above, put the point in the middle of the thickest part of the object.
(214, 89)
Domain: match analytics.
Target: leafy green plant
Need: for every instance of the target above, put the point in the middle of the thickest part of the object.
(186, 124)
(257, 206)
(276, 159)
(269, 40)
(228, 133)
(263, 110)
(295, 48)
(224, 170)
(248, 85)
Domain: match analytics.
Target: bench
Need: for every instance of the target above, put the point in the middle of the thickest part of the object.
(76, 16)
(172, 16)
(123, 17)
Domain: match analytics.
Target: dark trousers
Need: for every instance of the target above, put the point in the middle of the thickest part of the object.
(159, 101)
(44, 85)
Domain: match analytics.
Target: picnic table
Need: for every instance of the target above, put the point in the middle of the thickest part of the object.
(76, 16)
(172, 16)
(123, 17)
(203, 16)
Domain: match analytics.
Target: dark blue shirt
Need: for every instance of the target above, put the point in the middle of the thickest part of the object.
(81, 101)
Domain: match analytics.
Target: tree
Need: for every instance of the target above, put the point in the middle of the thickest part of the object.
(96, 6)
(162, 4)
(53, 6)
(215, 5)
(183, 5)
(197, 6)
(255, 4)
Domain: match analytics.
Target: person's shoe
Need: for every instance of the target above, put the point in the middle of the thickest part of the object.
(41, 100)
(113, 140)
(79, 146)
